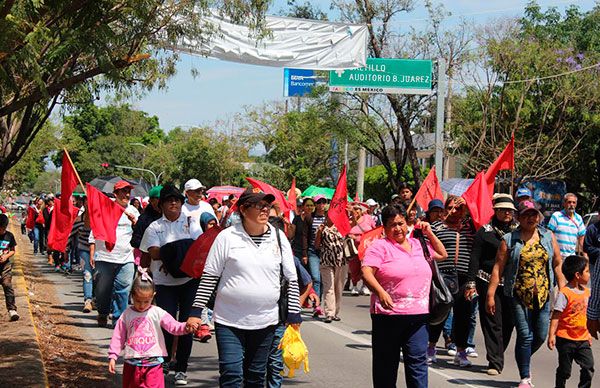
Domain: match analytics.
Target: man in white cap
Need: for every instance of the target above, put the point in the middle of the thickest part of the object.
(195, 205)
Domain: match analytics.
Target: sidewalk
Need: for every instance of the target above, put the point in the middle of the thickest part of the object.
(21, 363)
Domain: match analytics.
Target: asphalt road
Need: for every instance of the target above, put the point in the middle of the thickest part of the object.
(340, 352)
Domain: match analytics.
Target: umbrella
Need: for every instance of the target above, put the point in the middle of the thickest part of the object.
(327, 192)
(456, 186)
(107, 183)
(219, 191)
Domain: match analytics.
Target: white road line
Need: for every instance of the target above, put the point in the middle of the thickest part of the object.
(363, 341)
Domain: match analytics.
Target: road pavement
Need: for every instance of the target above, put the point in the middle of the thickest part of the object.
(339, 352)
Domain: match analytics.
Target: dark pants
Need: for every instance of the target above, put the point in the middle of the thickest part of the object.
(392, 333)
(243, 355)
(497, 329)
(9, 292)
(462, 311)
(581, 353)
(275, 363)
(173, 299)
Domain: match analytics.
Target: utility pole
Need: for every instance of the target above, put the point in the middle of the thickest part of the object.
(439, 119)
(362, 155)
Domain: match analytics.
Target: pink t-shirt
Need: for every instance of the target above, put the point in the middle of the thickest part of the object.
(362, 227)
(406, 276)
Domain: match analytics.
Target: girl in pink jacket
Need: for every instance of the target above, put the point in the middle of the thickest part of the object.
(139, 338)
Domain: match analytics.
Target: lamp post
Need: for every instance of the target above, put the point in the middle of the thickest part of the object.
(156, 177)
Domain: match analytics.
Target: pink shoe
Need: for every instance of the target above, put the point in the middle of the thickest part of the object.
(526, 383)
(318, 312)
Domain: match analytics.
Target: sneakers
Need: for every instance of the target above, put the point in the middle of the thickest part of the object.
(87, 306)
(203, 333)
(336, 318)
(354, 291)
(526, 383)
(493, 372)
(180, 378)
(431, 359)
(318, 312)
(328, 319)
(365, 291)
(102, 320)
(461, 360)
(14, 316)
(451, 349)
(471, 352)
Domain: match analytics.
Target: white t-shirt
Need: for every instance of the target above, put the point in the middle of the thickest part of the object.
(162, 232)
(122, 253)
(248, 291)
(195, 211)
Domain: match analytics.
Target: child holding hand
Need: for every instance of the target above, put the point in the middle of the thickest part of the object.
(139, 336)
(568, 330)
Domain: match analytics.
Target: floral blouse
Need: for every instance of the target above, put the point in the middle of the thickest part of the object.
(532, 277)
(332, 247)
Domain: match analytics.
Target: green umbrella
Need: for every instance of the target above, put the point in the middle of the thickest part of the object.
(327, 192)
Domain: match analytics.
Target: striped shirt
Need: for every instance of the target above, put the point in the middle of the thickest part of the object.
(316, 222)
(448, 236)
(593, 309)
(261, 237)
(567, 231)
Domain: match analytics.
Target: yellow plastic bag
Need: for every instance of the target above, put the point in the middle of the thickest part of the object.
(295, 352)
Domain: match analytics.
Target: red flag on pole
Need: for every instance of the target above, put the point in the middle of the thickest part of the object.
(62, 223)
(430, 189)
(292, 196)
(266, 188)
(367, 239)
(68, 182)
(479, 201)
(338, 212)
(506, 161)
(104, 216)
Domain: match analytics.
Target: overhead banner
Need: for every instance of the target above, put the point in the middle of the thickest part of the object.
(293, 43)
(385, 75)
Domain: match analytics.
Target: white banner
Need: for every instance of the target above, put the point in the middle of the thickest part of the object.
(295, 43)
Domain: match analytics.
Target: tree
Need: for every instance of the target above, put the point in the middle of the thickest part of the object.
(64, 52)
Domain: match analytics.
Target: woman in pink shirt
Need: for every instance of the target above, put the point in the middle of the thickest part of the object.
(397, 271)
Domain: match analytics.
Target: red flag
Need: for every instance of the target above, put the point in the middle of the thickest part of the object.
(367, 239)
(68, 183)
(62, 223)
(338, 212)
(506, 161)
(280, 200)
(292, 196)
(104, 216)
(430, 189)
(479, 201)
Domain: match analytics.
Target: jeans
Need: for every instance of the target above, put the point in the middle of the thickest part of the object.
(243, 355)
(38, 239)
(174, 299)
(87, 274)
(113, 280)
(532, 329)
(473, 322)
(275, 363)
(314, 268)
(392, 333)
(6, 279)
(447, 330)
(581, 352)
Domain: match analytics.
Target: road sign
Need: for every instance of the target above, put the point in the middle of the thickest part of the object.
(383, 75)
(298, 82)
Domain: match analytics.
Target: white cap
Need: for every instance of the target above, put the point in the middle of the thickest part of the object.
(193, 184)
(371, 202)
(225, 197)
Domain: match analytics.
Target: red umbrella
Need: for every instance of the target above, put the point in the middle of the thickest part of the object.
(219, 191)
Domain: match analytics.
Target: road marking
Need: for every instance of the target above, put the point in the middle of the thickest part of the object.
(362, 341)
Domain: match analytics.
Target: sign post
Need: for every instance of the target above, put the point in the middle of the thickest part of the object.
(439, 120)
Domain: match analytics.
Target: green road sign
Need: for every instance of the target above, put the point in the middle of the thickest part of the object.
(383, 75)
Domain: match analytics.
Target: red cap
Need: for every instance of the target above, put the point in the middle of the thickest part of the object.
(122, 185)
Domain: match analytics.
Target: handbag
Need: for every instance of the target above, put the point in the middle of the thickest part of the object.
(282, 303)
(350, 250)
(440, 297)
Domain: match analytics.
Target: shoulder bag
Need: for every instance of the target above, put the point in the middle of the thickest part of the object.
(283, 285)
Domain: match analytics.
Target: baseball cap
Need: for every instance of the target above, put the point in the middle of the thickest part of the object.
(395, 196)
(435, 204)
(528, 206)
(122, 185)
(503, 201)
(371, 202)
(523, 192)
(319, 197)
(250, 197)
(155, 191)
(193, 184)
(170, 191)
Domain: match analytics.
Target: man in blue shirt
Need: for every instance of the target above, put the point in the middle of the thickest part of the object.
(568, 227)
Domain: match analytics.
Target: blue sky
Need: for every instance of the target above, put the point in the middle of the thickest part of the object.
(222, 89)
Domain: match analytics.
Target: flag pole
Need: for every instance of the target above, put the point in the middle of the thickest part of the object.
(74, 169)
(512, 171)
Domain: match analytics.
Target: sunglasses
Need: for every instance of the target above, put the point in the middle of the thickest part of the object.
(262, 206)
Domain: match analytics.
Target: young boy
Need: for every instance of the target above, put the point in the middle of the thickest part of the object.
(568, 325)
(7, 250)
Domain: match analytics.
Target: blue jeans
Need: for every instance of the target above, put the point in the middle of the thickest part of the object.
(448, 326)
(87, 274)
(243, 355)
(314, 268)
(275, 365)
(392, 333)
(38, 239)
(473, 322)
(532, 330)
(113, 280)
